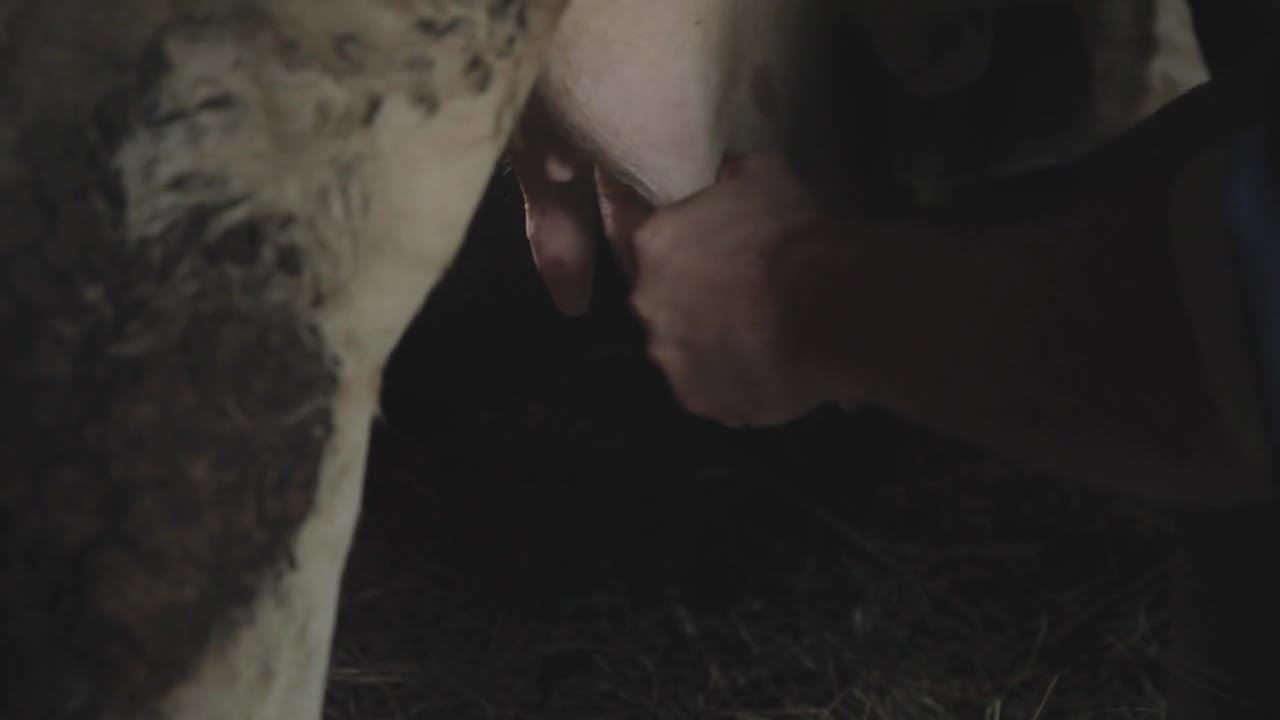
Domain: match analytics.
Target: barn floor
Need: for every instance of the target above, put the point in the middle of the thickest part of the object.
(547, 536)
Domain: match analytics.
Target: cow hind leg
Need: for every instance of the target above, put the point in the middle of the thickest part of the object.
(222, 217)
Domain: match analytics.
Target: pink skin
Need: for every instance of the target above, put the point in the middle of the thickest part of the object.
(715, 276)
(639, 102)
(711, 280)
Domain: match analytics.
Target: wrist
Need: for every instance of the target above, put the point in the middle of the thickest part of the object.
(816, 276)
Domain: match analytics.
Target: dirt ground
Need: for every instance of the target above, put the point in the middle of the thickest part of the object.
(547, 536)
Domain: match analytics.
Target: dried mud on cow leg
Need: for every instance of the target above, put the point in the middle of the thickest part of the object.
(214, 226)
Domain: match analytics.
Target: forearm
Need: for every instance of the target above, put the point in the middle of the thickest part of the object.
(1061, 337)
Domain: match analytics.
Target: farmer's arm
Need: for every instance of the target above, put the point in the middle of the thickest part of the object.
(1105, 334)
(1074, 333)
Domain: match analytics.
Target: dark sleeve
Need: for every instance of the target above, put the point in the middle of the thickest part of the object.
(1227, 245)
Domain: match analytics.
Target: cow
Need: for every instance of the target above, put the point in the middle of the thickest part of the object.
(654, 93)
(218, 218)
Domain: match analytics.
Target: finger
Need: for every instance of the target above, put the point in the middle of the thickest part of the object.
(707, 394)
(650, 300)
(731, 166)
(648, 238)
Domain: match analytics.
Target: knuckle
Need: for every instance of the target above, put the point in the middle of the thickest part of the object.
(641, 306)
(649, 233)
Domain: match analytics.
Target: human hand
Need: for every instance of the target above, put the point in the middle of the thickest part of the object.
(713, 278)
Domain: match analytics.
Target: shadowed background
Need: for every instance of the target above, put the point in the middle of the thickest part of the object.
(546, 534)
